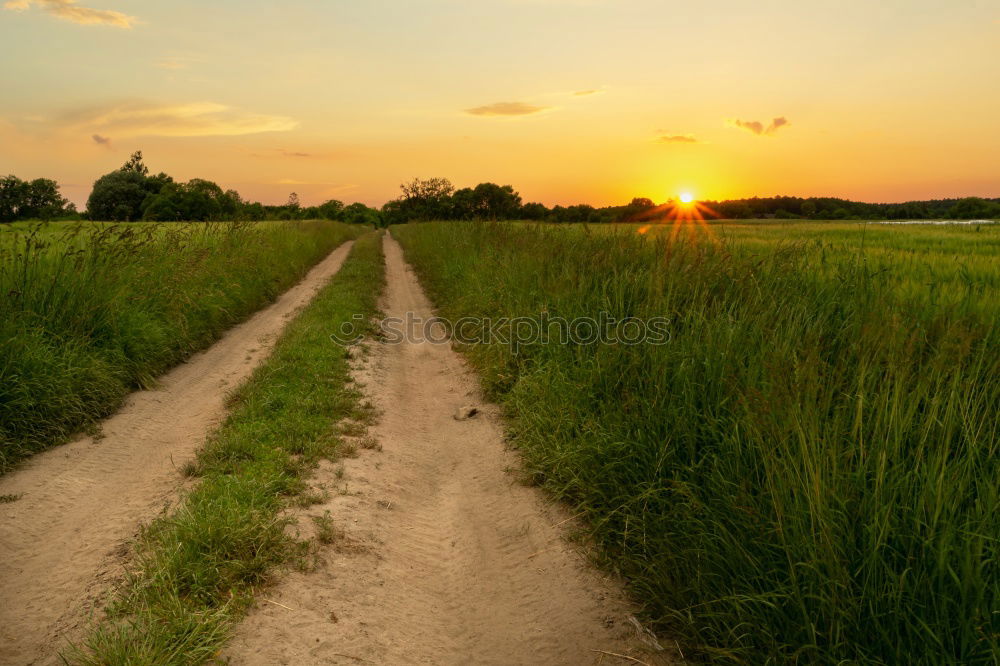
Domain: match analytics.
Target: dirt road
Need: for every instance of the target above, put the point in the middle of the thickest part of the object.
(61, 542)
(439, 556)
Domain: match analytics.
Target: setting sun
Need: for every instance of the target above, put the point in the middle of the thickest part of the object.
(687, 197)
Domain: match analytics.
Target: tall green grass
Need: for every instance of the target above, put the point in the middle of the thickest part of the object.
(807, 472)
(196, 570)
(90, 312)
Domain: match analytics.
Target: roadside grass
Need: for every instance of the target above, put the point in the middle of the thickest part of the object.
(89, 312)
(196, 570)
(807, 471)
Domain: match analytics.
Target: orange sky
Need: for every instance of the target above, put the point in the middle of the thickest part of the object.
(568, 100)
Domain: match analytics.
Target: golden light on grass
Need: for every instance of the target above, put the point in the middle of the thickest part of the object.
(684, 214)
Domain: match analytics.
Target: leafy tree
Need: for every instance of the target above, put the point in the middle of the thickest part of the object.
(637, 209)
(534, 211)
(254, 211)
(43, 200)
(136, 164)
(358, 213)
(196, 200)
(495, 202)
(424, 200)
(331, 210)
(972, 208)
(464, 204)
(427, 190)
(39, 198)
(118, 195)
(13, 192)
(124, 195)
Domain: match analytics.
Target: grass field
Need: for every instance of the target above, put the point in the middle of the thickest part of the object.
(92, 311)
(196, 570)
(807, 471)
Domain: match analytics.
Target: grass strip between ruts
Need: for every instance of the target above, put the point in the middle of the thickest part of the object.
(195, 570)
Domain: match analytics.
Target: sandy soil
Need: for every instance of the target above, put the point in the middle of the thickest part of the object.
(63, 541)
(441, 556)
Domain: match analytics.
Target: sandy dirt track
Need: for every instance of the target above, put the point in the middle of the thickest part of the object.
(442, 557)
(62, 542)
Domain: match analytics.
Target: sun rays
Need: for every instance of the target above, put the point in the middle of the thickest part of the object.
(684, 215)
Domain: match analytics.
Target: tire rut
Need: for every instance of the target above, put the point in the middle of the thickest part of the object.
(443, 558)
(62, 543)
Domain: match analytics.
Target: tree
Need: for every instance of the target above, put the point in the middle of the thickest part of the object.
(637, 209)
(331, 210)
(430, 189)
(125, 194)
(196, 200)
(118, 195)
(808, 208)
(358, 213)
(424, 200)
(39, 198)
(135, 164)
(43, 200)
(495, 202)
(13, 192)
(534, 211)
(464, 204)
(972, 208)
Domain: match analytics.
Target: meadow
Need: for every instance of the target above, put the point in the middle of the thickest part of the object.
(93, 311)
(806, 472)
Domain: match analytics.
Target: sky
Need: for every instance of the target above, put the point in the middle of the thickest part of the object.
(569, 101)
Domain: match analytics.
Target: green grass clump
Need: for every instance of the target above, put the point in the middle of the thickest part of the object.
(196, 570)
(90, 312)
(807, 471)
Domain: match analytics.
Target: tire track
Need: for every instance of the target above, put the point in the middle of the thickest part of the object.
(443, 558)
(62, 542)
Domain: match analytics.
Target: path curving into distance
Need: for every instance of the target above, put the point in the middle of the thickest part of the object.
(62, 542)
(439, 556)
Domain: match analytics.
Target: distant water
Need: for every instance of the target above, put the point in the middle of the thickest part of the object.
(935, 222)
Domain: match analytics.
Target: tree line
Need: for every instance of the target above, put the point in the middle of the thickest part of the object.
(131, 193)
(437, 199)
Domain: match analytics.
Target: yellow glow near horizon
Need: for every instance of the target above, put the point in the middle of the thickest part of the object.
(686, 197)
(566, 123)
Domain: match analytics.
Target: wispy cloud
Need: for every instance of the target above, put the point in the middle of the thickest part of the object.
(676, 138)
(758, 128)
(71, 10)
(506, 109)
(587, 93)
(176, 120)
(101, 140)
(273, 153)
